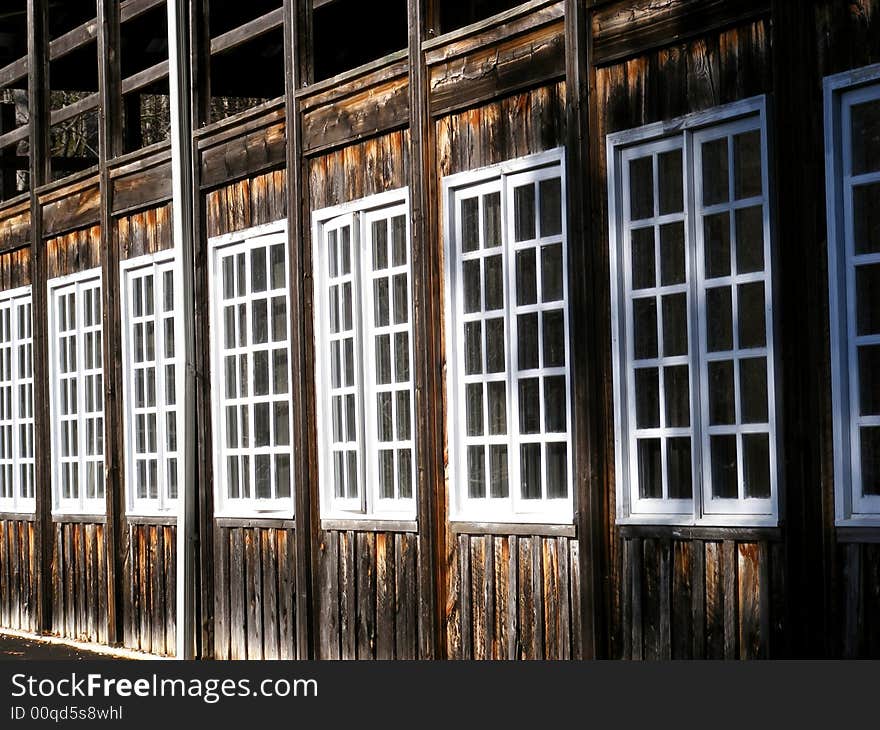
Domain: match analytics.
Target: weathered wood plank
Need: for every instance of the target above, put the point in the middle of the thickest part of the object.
(328, 591)
(347, 596)
(750, 637)
(222, 587)
(385, 603)
(366, 595)
(237, 604)
(254, 597)
(286, 595)
(269, 562)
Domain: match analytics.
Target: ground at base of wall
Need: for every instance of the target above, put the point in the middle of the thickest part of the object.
(14, 646)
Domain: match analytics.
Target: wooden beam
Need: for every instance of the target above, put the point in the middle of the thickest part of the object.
(428, 366)
(16, 135)
(296, 35)
(144, 78)
(130, 9)
(247, 32)
(14, 71)
(38, 104)
(73, 39)
(87, 103)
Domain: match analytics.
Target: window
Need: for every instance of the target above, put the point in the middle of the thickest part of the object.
(251, 351)
(16, 401)
(77, 393)
(152, 381)
(509, 410)
(364, 365)
(852, 130)
(693, 328)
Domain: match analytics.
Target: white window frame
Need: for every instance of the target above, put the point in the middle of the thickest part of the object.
(224, 506)
(157, 264)
(841, 92)
(10, 301)
(359, 215)
(702, 509)
(82, 504)
(512, 509)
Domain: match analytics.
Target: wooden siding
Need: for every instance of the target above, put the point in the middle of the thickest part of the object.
(858, 625)
(365, 168)
(79, 581)
(513, 597)
(15, 269)
(18, 565)
(73, 252)
(246, 203)
(15, 226)
(145, 232)
(254, 598)
(150, 593)
(700, 599)
(367, 596)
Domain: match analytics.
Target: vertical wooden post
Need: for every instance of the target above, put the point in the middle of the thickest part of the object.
(297, 72)
(38, 136)
(428, 370)
(200, 66)
(586, 375)
(109, 142)
(180, 88)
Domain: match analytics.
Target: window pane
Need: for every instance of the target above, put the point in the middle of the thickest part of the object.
(551, 273)
(756, 465)
(524, 212)
(261, 424)
(715, 172)
(530, 471)
(403, 415)
(262, 474)
(527, 337)
(282, 423)
(676, 390)
(868, 299)
(497, 395)
(383, 359)
(672, 254)
(495, 345)
(866, 218)
(386, 474)
(641, 188)
(380, 245)
(471, 283)
(401, 356)
(645, 328)
(724, 471)
(401, 299)
(474, 409)
(678, 468)
(261, 373)
(716, 234)
(752, 328)
(669, 170)
(554, 339)
(869, 380)
(492, 220)
(865, 137)
(260, 321)
(384, 417)
(551, 206)
(279, 371)
(650, 478)
(258, 270)
(277, 265)
(529, 406)
(643, 270)
(721, 390)
(647, 398)
(470, 225)
(498, 476)
(398, 240)
(753, 390)
(870, 458)
(747, 164)
(476, 468)
(675, 329)
(555, 409)
(719, 319)
(404, 473)
(494, 276)
(526, 277)
(557, 470)
(750, 239)
(473, 348)
(282, 476)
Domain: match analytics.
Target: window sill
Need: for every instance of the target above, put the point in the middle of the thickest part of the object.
(79, 517)
(691, 532)
(512, 528)
(282, 522)
(157, 519)
(370, 525)
(6, 516)
(861, 533)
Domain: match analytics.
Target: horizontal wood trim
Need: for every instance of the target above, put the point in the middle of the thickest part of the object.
(143, 187)
(14, 136)
(623, 30)
(233, 126)
(85, 104)
(512, 528)
(15, 225)
(713, 534)
(133, 161)
(14, 71)
(70, 184)
(281, 523)
(79, 519)
(355, 525)
(78, 209)
(373, 68)
(17, 517)
(399, 68)
(863, 535)
(245, 155)
(165, 520)
(491, 32)
(73, 39)
(247, 32)
(525, 61)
